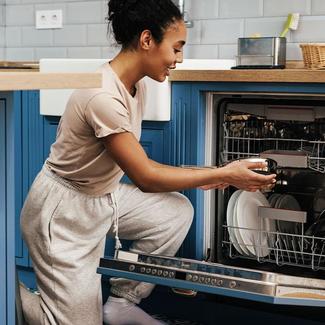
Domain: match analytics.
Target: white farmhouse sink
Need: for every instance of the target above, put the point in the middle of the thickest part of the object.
(53, 102)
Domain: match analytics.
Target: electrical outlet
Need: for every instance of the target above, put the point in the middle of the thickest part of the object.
(48, 19)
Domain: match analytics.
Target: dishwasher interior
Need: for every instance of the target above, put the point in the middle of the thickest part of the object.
(281, 229)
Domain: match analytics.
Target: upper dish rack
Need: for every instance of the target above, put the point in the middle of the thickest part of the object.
(243, 139)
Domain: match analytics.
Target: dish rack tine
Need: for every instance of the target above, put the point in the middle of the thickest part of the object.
(301, 248)
(321, 255)
(294, 249)
(286, 247)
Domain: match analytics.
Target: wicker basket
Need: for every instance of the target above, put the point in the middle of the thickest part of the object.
(313, 55)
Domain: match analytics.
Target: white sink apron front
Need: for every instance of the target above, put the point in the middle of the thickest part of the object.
(158, 107)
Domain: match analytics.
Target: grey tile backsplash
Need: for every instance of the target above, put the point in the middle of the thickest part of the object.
(217, 25)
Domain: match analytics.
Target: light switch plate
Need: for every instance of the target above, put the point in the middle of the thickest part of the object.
(48, 19)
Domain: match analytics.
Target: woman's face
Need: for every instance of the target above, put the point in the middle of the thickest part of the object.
(163, 56)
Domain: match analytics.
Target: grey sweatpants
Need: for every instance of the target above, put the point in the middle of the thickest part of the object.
(65, 231)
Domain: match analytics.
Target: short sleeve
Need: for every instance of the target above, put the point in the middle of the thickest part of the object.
(107, 115)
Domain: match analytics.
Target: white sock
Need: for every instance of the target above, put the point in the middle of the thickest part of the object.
(120, 311)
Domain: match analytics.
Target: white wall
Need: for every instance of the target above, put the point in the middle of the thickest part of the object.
(217, 25)
(2, 29)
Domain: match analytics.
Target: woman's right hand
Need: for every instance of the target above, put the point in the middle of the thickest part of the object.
(239, 174)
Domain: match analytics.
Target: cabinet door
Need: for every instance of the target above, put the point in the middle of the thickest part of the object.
(9, 121)
(29, 160)
(3, 242)
(152, 140)
(50, 128)
(155, 140)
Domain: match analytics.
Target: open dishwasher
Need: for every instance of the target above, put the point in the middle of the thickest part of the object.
(267, 246)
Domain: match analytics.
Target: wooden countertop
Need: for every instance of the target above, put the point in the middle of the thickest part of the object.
(29, 76)
(36, 80)
(249, 75)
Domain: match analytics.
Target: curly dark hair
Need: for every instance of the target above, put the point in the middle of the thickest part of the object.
(128, 18)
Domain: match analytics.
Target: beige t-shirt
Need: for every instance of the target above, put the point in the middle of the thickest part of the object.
(79, 154)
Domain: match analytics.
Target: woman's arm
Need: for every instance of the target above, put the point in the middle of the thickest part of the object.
(151, 176)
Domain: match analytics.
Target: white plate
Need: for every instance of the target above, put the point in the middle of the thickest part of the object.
(230, 221)
(239, 238)
(247, 217)
(288, 202)
(273, 199)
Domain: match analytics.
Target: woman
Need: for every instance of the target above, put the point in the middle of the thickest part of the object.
(77, 198)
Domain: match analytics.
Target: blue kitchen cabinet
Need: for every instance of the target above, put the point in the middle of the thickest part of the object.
(30, 159)
(10, 118)
(173, 142)
(3, 217)
(37, 133)
(155, 140)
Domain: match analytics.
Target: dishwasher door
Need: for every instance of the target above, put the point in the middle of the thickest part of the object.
(215, 278)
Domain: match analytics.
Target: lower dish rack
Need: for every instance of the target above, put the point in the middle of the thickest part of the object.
(280, 248)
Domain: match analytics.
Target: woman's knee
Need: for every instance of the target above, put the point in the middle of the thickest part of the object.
(185, 211)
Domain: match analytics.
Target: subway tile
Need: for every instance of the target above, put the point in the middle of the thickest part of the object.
(17, 15)
(2, 53)
(19, 54)
(293, 51)
(194, 33)
(11, 2)
(240, 8)
(2, 37)
(264, 26)
(71, 35)
(36, 37)
(318, 7)
(37, 1)
(85, 12)
(201, 52)
(84, 52)
(110, 52)
(97, 35)
(50, 52)
(104, 10)
(311, 29)
(228, 51)
(221, 31)
(13, 37)
(2, 15)
(283, 7)
(207, 9)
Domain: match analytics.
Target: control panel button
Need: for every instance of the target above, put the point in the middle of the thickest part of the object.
(232, 284)
(148, 270)
(143, 269)
(131, 268)
(219, 283)
(154, 271)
